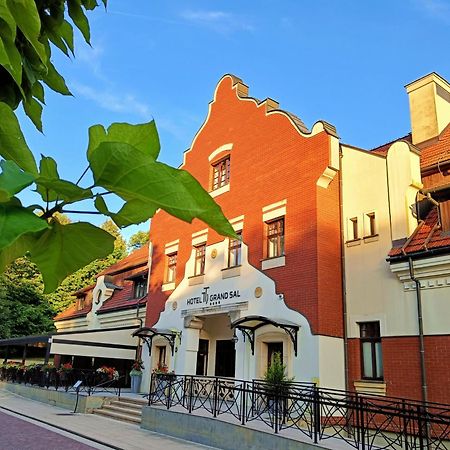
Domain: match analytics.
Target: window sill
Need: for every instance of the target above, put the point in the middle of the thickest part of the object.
(220, 190)
(168, 287)
(196, 279)
(230, 272)
(353, 242)
(370, 387)
(271, 263)
(371, 238)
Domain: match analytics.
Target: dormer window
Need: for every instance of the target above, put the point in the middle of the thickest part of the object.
(221, 173)
(81, 302)
(139, 287)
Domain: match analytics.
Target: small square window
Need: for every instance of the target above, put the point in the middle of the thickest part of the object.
(275, 238)
(171, 268)
(220, 173)
(81, 302)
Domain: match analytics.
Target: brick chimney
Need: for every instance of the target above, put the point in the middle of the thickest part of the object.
(429, 106)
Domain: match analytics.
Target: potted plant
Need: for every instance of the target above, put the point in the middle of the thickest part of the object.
(136, 376)
(276, 385)
(162, 378)
(108, 373)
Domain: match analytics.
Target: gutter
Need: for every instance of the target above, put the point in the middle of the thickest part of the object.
(421, 338)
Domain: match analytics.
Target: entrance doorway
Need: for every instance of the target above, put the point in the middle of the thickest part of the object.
(202, 357)
(225, 359)
(272, 349)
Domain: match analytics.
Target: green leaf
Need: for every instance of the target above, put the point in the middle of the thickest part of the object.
(89, 4)
(129, 173)
(131, 213)
(13, 180)
(6, 18)
(15, 221)
(26, 15)
(144, 137)
(12, 142)
(52, 29)
(52, 188)
(11, 60)
(55, 81)
(66, 32)
(38, 91)
(18, 248)
(63, 249)
(33, 109)
(79, 19)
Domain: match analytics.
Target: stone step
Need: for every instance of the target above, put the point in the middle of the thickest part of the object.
(118, 416)
(138, 401)
(123, 409)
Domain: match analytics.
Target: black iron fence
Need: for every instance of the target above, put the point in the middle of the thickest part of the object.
(91, 380)
(362, 421)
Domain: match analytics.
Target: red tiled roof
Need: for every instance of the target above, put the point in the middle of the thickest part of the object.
(437, 150)
(72, 312)
(383, 149)
(427, 236)
(138, 258)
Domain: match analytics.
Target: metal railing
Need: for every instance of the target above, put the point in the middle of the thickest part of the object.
(362, 421)
(91, 381)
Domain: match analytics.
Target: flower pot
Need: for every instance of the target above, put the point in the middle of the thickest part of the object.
(136, 383)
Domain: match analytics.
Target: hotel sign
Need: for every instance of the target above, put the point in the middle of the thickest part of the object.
(208, 298)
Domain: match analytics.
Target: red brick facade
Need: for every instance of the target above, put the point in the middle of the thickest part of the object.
(270, 161)
(401, 364)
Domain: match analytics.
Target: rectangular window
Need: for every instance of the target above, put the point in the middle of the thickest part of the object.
(139, 287)
(370, 224)
(275, 238)
(353, 231)
(171, 268)
(371, 354)
(199, 267)
(221, 173)
(161, 352)
(81, 302)
(234, 251)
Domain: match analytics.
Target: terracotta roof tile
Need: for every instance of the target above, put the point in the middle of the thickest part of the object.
(437, 150)
(383, 149)
(427, 236)
(73, 312)
(137, 258)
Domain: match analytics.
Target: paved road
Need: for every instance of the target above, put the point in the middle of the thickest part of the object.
(18, 434)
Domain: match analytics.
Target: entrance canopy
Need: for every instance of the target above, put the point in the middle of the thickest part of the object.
(147, 334)
(249, 324)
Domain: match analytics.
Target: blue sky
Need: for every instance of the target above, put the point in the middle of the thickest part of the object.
(342, 61)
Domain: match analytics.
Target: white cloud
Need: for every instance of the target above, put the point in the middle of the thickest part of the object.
(219, 21)
(106, 99)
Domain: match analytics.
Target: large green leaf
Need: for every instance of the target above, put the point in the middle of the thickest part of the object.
(122, 169)
(52, 188)
(132, 213)
(64, 249)
(11, 60)
(16, 221)
(13, 180)
(12, 142)
(9, 28)
(55, 81)
(18, 248)
(26, 15)
(79, 19)
(144, 137)
(33, 109)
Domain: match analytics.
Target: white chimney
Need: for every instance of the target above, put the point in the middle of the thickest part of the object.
(429, 105)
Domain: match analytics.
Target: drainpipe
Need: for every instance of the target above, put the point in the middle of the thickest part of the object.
(344, 289)
(420, 324)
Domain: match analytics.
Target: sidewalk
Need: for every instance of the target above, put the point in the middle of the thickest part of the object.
(107, 431)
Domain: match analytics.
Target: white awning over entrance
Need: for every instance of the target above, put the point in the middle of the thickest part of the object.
(118, 343)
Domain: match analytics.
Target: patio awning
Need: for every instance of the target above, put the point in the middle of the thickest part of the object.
(25, 340)
(147, 334)
(115, 343)
(249, 324)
